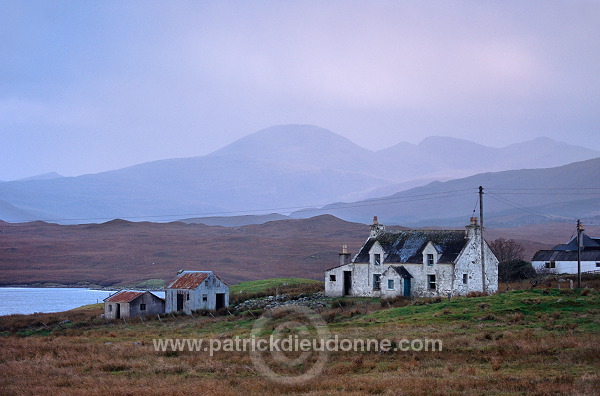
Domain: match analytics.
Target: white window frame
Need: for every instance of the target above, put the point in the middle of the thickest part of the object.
(431, 282)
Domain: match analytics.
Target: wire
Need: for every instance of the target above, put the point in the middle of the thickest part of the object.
(524, 208)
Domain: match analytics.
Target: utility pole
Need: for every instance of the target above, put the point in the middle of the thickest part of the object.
(482, 240)
(579, 231)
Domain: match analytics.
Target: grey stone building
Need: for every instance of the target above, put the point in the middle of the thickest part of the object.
(416, 263)
(195, 290)
(129, 304)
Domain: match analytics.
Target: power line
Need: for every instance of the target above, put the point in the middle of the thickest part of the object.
(524, 208)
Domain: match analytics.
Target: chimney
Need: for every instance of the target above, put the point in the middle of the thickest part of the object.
(473, 228)
(344, 256)
(376, 228)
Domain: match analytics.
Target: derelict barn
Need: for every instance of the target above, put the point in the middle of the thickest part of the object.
(416, 263)
(129, 304)
(195, 290)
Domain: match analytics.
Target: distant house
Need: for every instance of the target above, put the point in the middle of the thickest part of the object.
(195, 290)
(129, 304)
(415, 263)
(562, 259)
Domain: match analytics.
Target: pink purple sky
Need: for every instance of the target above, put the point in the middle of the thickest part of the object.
(89, 86)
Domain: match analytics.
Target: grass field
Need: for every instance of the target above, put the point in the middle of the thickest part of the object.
(535, 342)
(266, 285)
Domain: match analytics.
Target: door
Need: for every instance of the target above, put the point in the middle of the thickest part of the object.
(220, 300)
(118, 315)
(347, 282)
(179, 302)
(406, 287)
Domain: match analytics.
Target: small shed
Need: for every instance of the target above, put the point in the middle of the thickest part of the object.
(129, 304)
(195, 290)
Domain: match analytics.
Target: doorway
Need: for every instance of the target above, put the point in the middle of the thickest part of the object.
(347, 283)
(118, 314)
(220, 300)
(179, 301)
(406, 287)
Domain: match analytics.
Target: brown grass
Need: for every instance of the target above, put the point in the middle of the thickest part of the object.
(509, 353)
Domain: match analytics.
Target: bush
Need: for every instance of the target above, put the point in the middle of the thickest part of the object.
(515, 270)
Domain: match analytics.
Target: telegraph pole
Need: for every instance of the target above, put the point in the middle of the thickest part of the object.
(482, 240)
(579, 231)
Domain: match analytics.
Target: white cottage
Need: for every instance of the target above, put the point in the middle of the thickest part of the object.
(195, 290)
(416, 263)
(562, 259)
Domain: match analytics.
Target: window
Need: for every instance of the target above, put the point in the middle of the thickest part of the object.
(390, 284)
(550, 264)
(431, 281)
(429, 259)
(377, 259)
(465, 278)
(597, 264)
(205, 297)
(109, 307)
(142, 307)
(332, 278)
(376, 282)
(187, 297)
(206, 283)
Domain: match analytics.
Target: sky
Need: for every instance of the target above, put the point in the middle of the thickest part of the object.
(90, 86)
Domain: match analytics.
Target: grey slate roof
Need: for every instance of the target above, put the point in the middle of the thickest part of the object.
(566, 255)
(586, 243)
(401, 271)
(568, 252)
(407, 246)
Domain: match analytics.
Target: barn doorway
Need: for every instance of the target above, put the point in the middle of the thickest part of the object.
(118, 314)
(220, 300)
(179, 301)
(347, 282)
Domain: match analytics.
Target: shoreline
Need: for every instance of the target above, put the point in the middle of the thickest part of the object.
(76, 286)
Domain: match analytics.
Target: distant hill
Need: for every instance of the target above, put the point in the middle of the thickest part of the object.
(235, 221)
(511, 198)
(123, 253)
(278, 169)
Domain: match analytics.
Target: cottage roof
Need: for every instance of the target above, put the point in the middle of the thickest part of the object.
(401, 271)
(124, 296)
(590, 251)
(566, 255)
(189, 280)
(586, 243)
(407, 246)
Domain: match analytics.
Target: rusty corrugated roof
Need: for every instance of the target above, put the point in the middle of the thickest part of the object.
(188, 280)
(124, 296)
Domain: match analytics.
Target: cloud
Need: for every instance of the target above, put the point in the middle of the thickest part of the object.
(186, 78)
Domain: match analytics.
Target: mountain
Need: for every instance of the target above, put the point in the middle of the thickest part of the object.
(450, 157)
(278, 169)
(248, 175)
(511, 198)
(12, 213)
(43, 176)
(301, 147)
